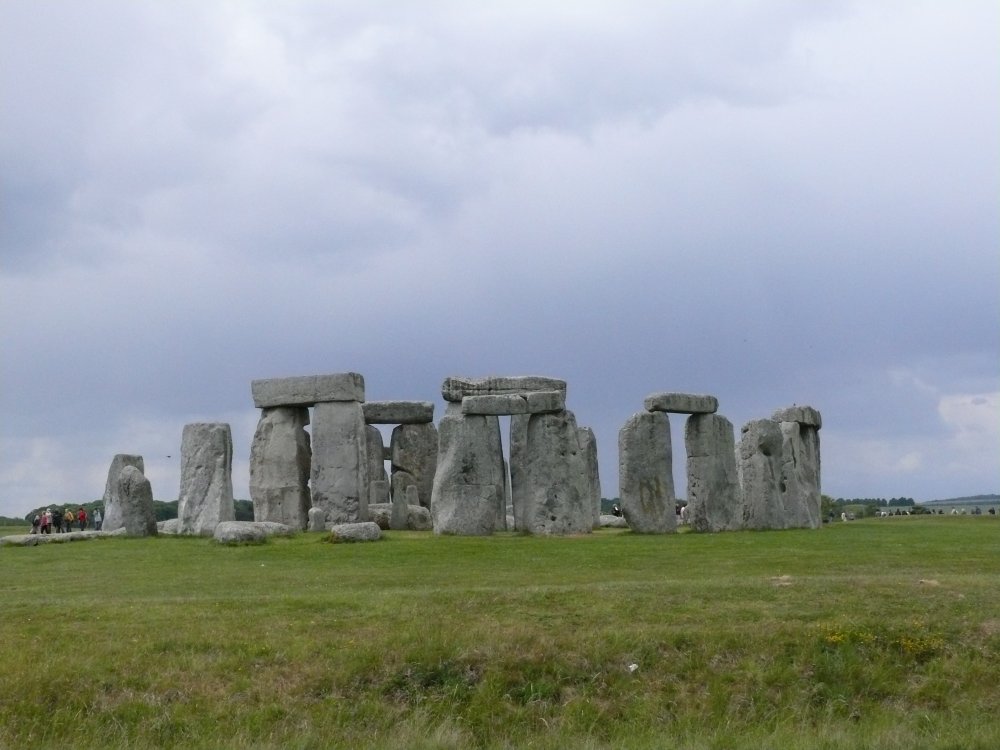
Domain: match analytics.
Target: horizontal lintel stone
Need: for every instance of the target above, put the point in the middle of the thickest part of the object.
(398, 412)
(456, 388)
(682, 403)
(308, 390)
(495, 404)
(540, 402)
(804, 415)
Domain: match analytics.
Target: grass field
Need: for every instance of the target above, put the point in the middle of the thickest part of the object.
(873, 634)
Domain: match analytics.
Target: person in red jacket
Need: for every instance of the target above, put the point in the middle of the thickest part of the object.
(81, 517)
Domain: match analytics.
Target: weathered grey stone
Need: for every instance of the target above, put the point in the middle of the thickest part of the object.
(363, 531)
(308, 390)
(803, 415)
(759, 466)
(518, 461)
(418, 518)
(340, 462)
(249, 532)
(713, 484)
(399, 516)
(206, 492)
(588, 452)
(398, 412)
(280, 459)
(317, 519)
(542, 402)
(414, 449)
(457, 388)
(378, 492)
(681, 403)
(169, 527)
(800, 482)
(498, 470)
(412, 495)
(645, 474)
(136, 499)
(33, 540)
(375, 452)
(387, 453)
(112, 507)
(556, 488)
(469, 473)
(495, 405)
(612, 522)
(402, 481)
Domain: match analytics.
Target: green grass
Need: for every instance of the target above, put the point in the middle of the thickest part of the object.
(873, 634)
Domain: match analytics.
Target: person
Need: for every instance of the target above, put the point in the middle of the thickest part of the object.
(616, 509)
(47, 521)
(81, 516)
(36, 522)
(57, 521)
(98, 519)
(68, 519)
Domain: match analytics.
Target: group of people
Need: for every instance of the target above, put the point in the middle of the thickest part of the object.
(63, 521)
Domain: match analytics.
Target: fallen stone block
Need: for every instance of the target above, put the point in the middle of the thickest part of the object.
(33, 540)
(308, 390)
(612, 522)
(170, 527)
(398, 412)
(456, 388)
(249, 532)
(364, 531)
(418, 518)
(681, 403)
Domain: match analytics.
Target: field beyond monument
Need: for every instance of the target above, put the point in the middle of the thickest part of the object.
(881, 633)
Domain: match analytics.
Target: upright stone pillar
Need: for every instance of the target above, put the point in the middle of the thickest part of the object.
(136, 498)
(518, 462)
(340, 461)
(206, 492)
(588, 452)
(713, 485)
(759, 465)
(112, 503)
(645, 474)
(280, 458)
(557, 493)
(800, 469)
(376, 465)
(469, 471)
(414, 449)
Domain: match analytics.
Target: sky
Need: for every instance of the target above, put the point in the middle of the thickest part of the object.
(770, 201)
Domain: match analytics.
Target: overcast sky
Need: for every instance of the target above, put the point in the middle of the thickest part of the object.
(771, 202)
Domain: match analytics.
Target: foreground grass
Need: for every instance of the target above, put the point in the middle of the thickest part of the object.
(876, 634)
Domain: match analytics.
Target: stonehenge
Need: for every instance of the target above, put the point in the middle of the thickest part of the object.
(319, 461)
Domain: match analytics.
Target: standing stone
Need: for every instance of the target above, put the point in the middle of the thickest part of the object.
(759, 465)
(713, 483)
(317, 519)
(802, 497)
(206, 493)
(112, 505)
(469, 472)
(280, 458)
(518, 461)
(499, 470)
(400, 510)
(135, 497)
(340, 462)
(588, 452)
(556, 492)
(414, 449)
(376, 465)
(645, 474)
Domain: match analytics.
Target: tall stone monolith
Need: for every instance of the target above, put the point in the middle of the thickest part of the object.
(135, 497)
(414, 449)
(206, 492)
(464, 498)
(557, 494)
(280, 459)
(713, 484)
(112, 505)
(759, 465)
(340, 484)
(376, 465)
(802, 498)
(645, 474)
(588, 452)
(518, 461)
